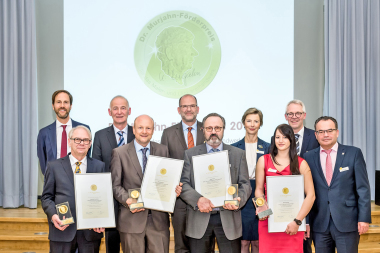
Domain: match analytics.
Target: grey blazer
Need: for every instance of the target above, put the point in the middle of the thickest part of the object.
(127, 174)
(197, 222)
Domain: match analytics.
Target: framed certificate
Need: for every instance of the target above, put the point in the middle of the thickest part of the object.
(212, 175)
(94, 200)
(285, 195)
(161, 176)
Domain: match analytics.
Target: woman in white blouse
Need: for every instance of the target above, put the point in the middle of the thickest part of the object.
(255, 148)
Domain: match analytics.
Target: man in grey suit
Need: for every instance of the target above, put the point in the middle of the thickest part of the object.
(140, 230)
(116, 135)
(178, 138)
(204, 220)
(59, 188)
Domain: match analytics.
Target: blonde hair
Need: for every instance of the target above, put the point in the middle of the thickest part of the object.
(253, 110)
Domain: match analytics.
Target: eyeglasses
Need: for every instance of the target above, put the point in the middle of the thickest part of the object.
(217, 128)
(79, 141)
(297, 114)
(188, 106)
(329, 131)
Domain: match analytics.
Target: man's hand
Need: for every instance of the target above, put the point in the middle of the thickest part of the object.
(99, 230)
(178, 189)
(292, 228)
(57, 222)
(307, 233)
(228, 206)
(363, 227)
(205, 205)
(129, 202)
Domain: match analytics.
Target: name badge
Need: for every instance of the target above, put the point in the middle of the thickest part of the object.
(343, 169)
(272, 170)
(259, 151)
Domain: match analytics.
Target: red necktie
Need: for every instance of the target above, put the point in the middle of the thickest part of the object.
(64, 142)
(190, 139)
(329, 171)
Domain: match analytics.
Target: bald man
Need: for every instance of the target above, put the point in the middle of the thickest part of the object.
(140, 230)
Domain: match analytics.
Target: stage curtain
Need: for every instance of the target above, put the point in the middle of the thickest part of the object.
(18, 104)
(352, 75)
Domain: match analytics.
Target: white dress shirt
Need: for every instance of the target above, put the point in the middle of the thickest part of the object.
(300, 138)
(83, 166)
(251, 149)
(193, 132)
(333, 155)
(125, 134)
(59, 130)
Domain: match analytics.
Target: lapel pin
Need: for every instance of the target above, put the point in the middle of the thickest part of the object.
(260, 146)
(343, 153)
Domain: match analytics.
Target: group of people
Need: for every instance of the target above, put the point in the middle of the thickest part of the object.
(336, 209)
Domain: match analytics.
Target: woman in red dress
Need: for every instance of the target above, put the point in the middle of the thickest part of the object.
(283, 160)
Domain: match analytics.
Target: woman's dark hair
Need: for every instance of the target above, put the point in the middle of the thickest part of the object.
(286, 130)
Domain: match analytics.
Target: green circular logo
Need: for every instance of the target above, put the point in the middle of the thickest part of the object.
(177, 53)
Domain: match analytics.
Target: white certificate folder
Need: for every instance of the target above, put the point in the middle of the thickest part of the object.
(212, 175)
(285, 196)
(94, 200)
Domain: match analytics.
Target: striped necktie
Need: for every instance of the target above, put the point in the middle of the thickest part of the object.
(297, 136)
(121, 138)
(145, 159)
(77, 169)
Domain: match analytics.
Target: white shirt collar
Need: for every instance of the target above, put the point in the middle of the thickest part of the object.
(125, 130)
(73, 160)
(59, 124)
(301, 131)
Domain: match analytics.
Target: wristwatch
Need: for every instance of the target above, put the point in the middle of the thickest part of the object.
(298, 222)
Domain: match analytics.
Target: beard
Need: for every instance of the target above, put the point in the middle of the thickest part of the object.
(62, 116)
(216, 141)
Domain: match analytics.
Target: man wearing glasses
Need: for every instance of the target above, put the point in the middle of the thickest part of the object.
(59, 188)
(204, 221)
(178, 138)
(295, 114)
(342, 208)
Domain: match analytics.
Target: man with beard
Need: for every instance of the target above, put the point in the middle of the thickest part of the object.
(178, 138)
(204, 220)
(52, 140)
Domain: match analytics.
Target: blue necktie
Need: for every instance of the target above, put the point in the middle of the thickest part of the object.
(297, 136)
(215, 150)
(121, 139)
(145, 159)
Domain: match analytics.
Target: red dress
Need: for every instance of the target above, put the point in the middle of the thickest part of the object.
(278, 242)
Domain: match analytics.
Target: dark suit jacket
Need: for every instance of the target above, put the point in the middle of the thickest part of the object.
(47, 144)
(309, 142)
(127, 174)
(104, 143)
(59, 188)
(261, 146)
(348, 198)
(197, 222)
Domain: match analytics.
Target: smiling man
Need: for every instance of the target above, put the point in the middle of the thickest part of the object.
(52, 140)
(107, 139)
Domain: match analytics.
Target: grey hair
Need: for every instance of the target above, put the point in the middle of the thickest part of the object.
(214, 115)
(298, 102)
(77, 127)
(119, 96)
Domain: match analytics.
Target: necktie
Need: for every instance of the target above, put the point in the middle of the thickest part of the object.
(329, 170)
(215, 150)
(190, 139)
(297, 136)
(121, 139)
(64, 142)
(145, 159)
(77, 169)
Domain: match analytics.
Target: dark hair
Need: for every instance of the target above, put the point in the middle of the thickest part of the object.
(325, 118)
(179, 102)
(286, 130)
(214, 115)
(60, 91)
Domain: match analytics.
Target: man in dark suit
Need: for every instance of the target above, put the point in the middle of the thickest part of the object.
(52, 139)
(140, 230)
(342, 208)
(305, 141)
(178, 138)
(59, 188)
(119, 134)
(204, 221)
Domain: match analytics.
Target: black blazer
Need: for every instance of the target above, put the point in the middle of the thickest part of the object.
(59, 188)
(262, 146)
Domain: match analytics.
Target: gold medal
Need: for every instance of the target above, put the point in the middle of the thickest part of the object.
(163, 171)
(260, 201)
(211, 167)
(231, 190)
(94, 187)
(63, 209)
(285, 190)
(135, 194)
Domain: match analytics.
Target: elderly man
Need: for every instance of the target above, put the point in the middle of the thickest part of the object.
(342, 208)
(183, 136)
(59, 188)
(204, 221)
(119, 134)
(140, 230)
